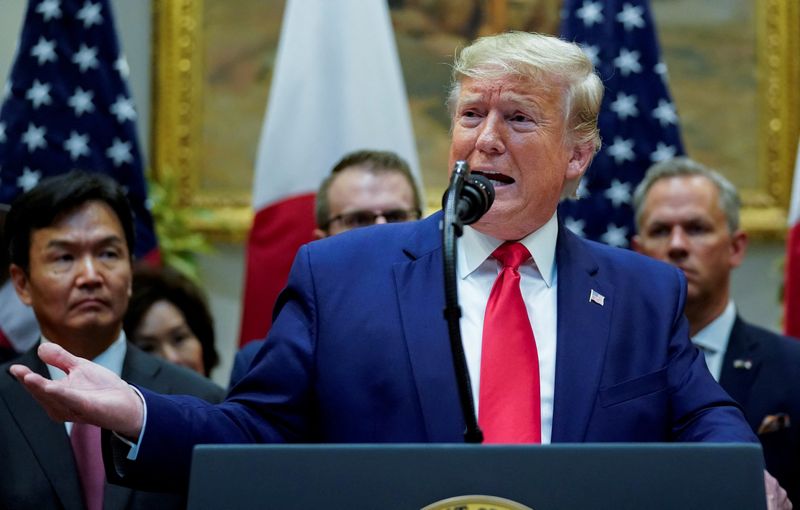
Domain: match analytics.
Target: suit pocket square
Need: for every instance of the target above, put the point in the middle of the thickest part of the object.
(633, 388)
(773, 423)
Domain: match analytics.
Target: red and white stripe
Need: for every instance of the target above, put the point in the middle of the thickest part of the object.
(337, 87)
(792, 281)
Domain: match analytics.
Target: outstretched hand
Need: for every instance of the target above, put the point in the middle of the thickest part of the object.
(88, 394)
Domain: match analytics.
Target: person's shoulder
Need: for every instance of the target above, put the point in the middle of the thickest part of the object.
(159, 375)
(27, 358)
(784, 349)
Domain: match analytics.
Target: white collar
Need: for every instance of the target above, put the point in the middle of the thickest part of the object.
(112, 358)
(714, 337)
(476, 247)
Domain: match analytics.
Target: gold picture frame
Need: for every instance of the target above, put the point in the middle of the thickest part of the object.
(180, 97)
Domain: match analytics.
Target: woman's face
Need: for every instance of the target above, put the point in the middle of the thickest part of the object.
(163, 331)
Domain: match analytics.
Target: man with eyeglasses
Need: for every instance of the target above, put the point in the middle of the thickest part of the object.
(364, 188)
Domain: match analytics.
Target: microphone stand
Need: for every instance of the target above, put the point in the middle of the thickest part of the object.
(452, 229)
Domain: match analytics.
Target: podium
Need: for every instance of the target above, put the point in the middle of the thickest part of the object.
(619, 476)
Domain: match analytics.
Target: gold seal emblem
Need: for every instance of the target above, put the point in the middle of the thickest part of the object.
(476, 502)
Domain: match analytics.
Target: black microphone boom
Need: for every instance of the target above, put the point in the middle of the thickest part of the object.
(476, 198)
(467, 198)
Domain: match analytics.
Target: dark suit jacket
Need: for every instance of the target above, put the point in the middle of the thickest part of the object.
(359, 352)
(243, 360)
(770, 386)
(39, 469)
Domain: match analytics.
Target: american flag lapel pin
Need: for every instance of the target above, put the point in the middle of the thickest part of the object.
(596, 297)
(745, 364)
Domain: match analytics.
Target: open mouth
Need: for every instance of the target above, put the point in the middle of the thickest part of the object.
(498, 180)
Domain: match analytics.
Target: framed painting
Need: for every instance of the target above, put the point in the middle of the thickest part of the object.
(734, 74)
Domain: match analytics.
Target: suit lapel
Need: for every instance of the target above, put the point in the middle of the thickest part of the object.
(582, 336)
(419, 283)
(47, 439)
(741, 363)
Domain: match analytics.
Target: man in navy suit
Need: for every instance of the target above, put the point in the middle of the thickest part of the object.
(359, 350)
(688, 215)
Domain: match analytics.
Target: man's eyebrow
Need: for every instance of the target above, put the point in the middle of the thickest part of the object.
(65, 243)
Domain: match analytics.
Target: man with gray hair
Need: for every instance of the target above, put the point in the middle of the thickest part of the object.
(359, 350)
(688, 215)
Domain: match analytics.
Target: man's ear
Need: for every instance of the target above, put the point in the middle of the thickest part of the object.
(319, 233)
(21, 284)
(738, 248)
(636, 243)
(582, 155)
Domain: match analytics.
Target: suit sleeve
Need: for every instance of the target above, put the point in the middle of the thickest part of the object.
(271, 404)
(701, 409)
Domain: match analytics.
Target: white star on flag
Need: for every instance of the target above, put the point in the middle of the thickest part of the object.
(625, 106)
(77, 145)
(628, 62)
(576, 226)
(123, 109)
(44, 51)
(90, 14)
(81, 101)
(665, 113)
(583, 188)
(34, 137)
(621, 150)
(590, 13)
(618, 192)
(593, 52)
(39, 94)
(121, 65)
(28, 179)
(49, 9)
(68, 106)
(630, 66)
(86, 58)
(615, 236)
(631, 17)
(119, 152)
(663, 152)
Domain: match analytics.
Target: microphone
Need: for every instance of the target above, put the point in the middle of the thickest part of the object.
(476, 198)
(471, 195)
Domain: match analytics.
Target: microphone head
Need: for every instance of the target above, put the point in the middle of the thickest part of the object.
(476, 198)
(486, 185)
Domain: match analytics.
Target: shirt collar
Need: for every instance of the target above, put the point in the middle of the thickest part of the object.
(476, 247)
(714, 337)
(112, 358)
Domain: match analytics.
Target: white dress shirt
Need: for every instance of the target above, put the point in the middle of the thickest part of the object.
(538, 283)
(712, 340)
(112, 358)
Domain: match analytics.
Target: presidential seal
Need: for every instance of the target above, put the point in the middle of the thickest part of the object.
(476, 502)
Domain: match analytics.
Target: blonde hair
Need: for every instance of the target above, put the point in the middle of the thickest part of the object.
(542, 59)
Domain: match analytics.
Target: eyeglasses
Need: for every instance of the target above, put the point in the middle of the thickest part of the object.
(357, 219)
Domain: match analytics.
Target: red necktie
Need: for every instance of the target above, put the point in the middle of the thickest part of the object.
(85, 441)
(509, 402)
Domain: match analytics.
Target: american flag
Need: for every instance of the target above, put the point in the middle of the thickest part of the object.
(638, 121)
(66, 106)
